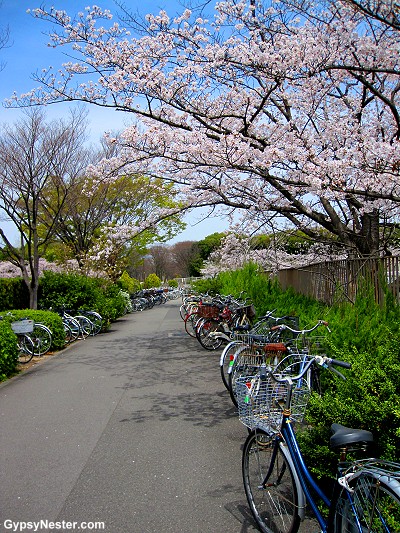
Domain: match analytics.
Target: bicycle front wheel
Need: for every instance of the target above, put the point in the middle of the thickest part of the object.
(373, 507)
(269, 484)
(26, 348)
(42, 338)
(226, 360)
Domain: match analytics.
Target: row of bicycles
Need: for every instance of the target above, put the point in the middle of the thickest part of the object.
(270, 368)
(148, 298)
(34, 339)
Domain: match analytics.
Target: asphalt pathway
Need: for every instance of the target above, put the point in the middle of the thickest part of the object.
(131, 431)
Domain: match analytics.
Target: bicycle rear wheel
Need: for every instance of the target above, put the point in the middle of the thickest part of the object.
(373, 507)
(206, 332)
(246, 362)
(269, 484)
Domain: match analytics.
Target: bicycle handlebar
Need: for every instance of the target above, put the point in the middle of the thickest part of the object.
(322, 360)
(301, 331)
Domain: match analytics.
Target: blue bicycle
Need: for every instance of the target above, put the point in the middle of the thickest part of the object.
(278, 485)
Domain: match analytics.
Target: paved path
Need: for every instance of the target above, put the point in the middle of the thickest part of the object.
(132, 428)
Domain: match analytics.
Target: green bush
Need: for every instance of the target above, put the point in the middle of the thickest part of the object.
(14, 293)
(128, 284)
(113, 304)
(364, 334)
(368, 398)
(152, 281)
(74, 292)
(8, 351)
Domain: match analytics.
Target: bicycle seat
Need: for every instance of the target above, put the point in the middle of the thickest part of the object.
(343, 436)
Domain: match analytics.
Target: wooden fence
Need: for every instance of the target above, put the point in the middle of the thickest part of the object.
(341, 280)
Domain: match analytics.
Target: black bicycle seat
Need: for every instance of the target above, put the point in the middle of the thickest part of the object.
(342, 436)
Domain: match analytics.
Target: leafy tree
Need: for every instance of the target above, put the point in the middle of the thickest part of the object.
(35, 156)
(99, 227)
(285, 110)
(202, 250)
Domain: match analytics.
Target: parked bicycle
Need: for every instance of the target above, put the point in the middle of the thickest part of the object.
(270, 349)
(39, 334)
(258, 334)
(25, 345)
(226, 317)
(278, 485)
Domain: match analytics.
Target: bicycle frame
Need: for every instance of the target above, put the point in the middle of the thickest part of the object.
(287, 441)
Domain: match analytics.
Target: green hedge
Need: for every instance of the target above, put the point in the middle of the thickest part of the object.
(8, 351)
(14, 293)
(74, 291)
(364, 334)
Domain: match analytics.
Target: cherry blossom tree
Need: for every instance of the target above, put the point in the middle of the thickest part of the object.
(238, 250)
(285, 110)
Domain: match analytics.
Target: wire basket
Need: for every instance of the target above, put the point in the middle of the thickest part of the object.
(23, 326)
(313, 344)
(254, 341)
(261, 399)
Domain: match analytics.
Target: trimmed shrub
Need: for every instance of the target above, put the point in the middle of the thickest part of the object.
(364, 334)
(152, 281)
(128, 284)
(74, 292)
(14, 293)
(8, 351)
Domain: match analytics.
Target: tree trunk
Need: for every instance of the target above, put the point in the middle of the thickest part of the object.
(367, 240)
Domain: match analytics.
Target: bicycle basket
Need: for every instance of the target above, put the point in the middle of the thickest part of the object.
(207, 311)
(250, 311)
(23, 326)
(261, 400)
(313, 344)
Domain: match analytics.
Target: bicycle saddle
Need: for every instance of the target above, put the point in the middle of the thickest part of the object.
(342, 436)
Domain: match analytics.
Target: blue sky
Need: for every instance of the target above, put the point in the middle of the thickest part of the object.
(28, 52)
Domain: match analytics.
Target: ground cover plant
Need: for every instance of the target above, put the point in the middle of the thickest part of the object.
(364, 334)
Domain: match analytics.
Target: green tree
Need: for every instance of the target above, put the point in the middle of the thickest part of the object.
(100, 227)
(152, 281)
(201, 251)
